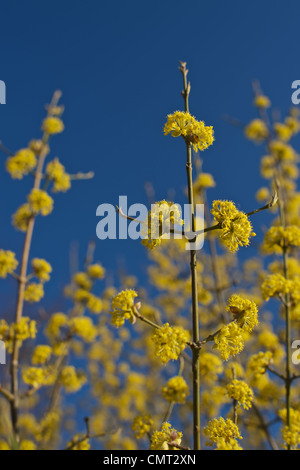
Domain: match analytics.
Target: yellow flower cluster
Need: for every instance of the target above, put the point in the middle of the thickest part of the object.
(34, 292)
(22, 163)
(283, 131)
(71, 379)
(8, 263)
(176, 390)
(161, 439)
(40, 202)
(244, 312)
(79, 442)
(56, 323)
(141, 425)
(291, 434)
(229, 341)
(122, 305)
(236, 228)
(161, 217)
(256, 130)
(37, 145)
(36, 377)
(222, 433)
(41, 354)
(169, 341)
(203, 181)
(194, 132)
(26, 444)
(21, 217)
(262, 101)
(276, 284)
(82, 284)
(52, 125)
(56, 173)
(210, 366)
(238, 390)
(41, 269)
(258, 363)
(278, 237)
(24, 329)
(282, 151)
(83, 327)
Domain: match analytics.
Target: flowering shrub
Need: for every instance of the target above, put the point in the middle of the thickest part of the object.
(199, 350)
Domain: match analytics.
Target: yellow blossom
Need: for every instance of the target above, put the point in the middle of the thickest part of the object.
(41, 269)
(141, 425)
(79, 442)
(41, 354)
(222, 433)
(239, 391)
(22, 163)
(21, 217)
(55, 172)
(122, 305)
(169, 341)
(8, 263)
(40, 202)
(34, 292)
(83, 327)
(161, 439)
(256, 130)
(236, 229)
(262, 101)
(244, 312)
(229, 341)
(71, 379)
(96, 271)
(175, 390)
(52, 125)
(194, 132)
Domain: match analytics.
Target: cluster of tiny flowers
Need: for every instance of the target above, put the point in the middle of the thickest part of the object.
(222, 433)
(282, 151)
(80, 289)
(277, 238)
(229, 341)
(176, 390)
(71, 379)
(41, 354)
(169, 341)
(262, 101)
(25, 328)
(244, 312)
(162, 216)
(161, 440)
(236, 228)
(8, 262)
(34, 292)
(210, 366)
(38, 376)
(56, 173)
(277, 285)
(256, 130)
(79, 442)
(291, 434)
(238, 390)
(52, 125)
(40, 202)
(258, 363)
(22, 163)
(141, 425)
(203, 181)
(283, 131)
(122, 305)
(41, 269)
(83, 327)
(194, 132)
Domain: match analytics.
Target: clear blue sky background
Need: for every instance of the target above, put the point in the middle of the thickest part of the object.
(116, 64)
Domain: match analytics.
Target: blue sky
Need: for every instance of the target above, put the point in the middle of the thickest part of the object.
(117, 66)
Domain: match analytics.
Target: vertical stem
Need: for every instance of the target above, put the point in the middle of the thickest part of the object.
(193, 267)
(14, 404)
